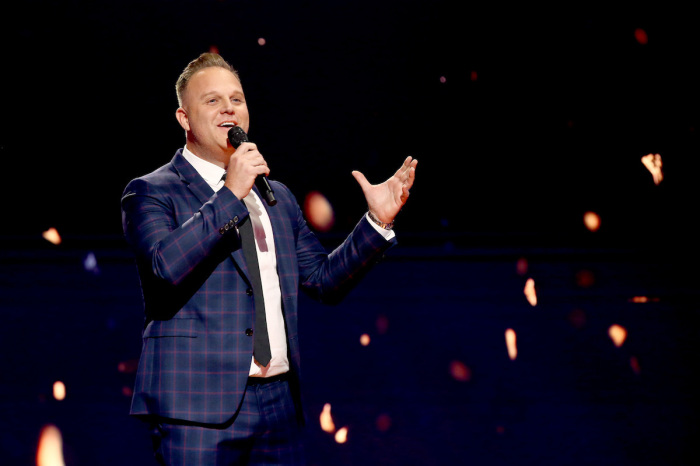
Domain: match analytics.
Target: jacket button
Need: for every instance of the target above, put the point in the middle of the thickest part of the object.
(231, 223)
(235, 219)
(221, 230)
(249, 292)
(249, 332)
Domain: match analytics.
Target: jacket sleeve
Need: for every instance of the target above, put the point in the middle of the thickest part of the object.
(169, 247)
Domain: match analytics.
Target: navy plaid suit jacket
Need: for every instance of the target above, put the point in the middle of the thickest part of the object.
(196, 352)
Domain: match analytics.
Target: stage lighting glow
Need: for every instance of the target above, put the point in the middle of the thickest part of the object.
(342, 435)
(654, 165)
(592, 221)
(577, 318)
(473, 76)
(383, 422)
(327, 424)
(90, 263)
(49, 452)
(643, 299)
(530, 292)
(585, 278)
(51, 235)
(443, 79)
(617, 334)
(261, 41)
(641, 36)
(59, 390)
(319, 211)
(521, 266)
(460, 371)
(511, 344)
(364, 339)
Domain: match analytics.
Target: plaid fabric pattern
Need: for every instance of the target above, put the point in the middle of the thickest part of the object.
(198, 308)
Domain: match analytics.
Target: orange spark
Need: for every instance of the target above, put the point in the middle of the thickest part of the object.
(327, 424)
(319, 211)
(59, 390)
(654, 164)
(51, 235)
(364, 339)
(617, 334)
(592, 221)
(460, 371)
(511, 345)
(50, 449)
(529, 292)
(342, 435)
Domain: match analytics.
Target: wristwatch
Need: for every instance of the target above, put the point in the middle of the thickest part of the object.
(386, 226)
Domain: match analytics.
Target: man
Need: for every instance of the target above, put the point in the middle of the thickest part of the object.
(215, 386)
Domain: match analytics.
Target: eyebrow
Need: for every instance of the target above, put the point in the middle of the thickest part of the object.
(217, 93)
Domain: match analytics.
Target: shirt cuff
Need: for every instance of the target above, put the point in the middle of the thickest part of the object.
(387, 234)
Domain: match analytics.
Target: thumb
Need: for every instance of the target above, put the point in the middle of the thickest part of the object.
(361, 179)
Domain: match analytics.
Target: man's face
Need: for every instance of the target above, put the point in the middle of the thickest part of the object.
(212, 102)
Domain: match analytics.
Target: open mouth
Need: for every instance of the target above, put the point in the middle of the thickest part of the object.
(227, 124)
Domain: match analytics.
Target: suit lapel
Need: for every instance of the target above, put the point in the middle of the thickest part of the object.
(203, 192)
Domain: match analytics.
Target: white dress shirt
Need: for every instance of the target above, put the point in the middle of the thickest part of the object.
(267, 261)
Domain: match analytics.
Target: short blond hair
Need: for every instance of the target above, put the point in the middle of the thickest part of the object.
(205, 60)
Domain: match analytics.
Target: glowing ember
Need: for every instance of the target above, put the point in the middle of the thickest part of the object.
(327, 424)
(521, 266)
(641, 36)
(591, 220)
(585, 278)
(530, 292)
(383, 422)
(319, 211)
(364, 339)
(51, 235)
(50, 449)
(643, 299)
(342, 435)
(634, 364)
(577, 318)
(460, 371)
(382, 324)
(59, 390)
(261, 41)
(654, 165)
(510, 344)
(617, 334)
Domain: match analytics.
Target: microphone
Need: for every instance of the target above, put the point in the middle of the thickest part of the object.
(236, 137)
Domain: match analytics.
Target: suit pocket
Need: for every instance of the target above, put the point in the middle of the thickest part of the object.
(172, 328)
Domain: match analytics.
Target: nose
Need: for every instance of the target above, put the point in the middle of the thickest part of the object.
(228, 107)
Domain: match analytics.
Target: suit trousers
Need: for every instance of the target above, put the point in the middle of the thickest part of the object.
(265, 431)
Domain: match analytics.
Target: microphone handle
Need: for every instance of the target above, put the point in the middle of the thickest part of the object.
(236, 136)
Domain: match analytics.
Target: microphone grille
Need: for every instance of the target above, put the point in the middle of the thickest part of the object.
(237, 136)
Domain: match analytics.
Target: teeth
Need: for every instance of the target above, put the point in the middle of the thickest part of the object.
(228, 124)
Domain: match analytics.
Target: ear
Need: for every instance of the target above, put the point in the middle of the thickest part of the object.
(182, 118)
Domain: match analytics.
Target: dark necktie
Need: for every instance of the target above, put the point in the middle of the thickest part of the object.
(261, 341)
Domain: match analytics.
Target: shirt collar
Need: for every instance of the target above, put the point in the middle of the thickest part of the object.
(211, 173)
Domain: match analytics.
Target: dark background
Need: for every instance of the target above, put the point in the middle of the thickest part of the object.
(542, 116)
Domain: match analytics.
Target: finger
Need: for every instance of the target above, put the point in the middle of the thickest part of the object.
(404, 166)
(361, 179)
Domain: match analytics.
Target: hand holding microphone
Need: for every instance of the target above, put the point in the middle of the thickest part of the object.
(236, 137)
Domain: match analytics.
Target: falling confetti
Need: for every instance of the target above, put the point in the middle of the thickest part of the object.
(511, 345)
(59, 390)
(342, 435)
(319, 211)
(51, 235)
(643, 299)
(49, 452)
(592, 221)
(654, 164)
(530, 292)
(327, 424)
(617, 334)
(364, 339)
